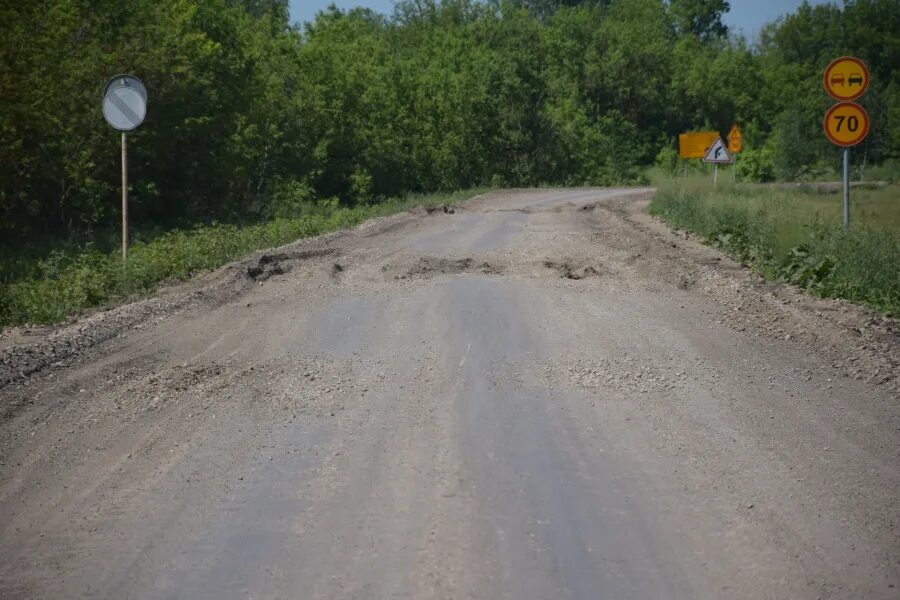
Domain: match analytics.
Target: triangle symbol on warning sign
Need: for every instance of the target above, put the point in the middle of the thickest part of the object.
(717, 153)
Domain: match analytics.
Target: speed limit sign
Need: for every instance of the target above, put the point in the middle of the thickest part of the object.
(846, 124)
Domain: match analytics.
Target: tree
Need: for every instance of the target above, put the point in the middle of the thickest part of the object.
(700, 18)
(250, 116)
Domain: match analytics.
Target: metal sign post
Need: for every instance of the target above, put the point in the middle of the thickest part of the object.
(124, 196)
(846, 188)
(124, 107)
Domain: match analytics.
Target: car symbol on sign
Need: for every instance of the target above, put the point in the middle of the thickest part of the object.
(856, 78)
(837, 80)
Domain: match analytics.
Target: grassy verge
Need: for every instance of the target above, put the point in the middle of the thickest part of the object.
(74, 280)
(795, 235)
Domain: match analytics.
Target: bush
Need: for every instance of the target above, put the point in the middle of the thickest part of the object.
(756, 165)
(289, 199)
(889, 171)
(668, 161)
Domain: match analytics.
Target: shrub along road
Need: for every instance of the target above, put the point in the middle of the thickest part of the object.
(542, 394)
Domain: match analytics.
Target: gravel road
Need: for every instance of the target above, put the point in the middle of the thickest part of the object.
(540, 394)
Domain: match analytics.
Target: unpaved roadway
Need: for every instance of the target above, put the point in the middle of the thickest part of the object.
(543, 394)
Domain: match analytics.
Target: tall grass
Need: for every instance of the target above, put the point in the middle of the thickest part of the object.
(66, 281)
(795, 235)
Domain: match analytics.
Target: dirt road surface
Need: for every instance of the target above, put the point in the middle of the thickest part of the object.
(541, 394)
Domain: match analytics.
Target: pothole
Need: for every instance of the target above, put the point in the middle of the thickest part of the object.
(686, 282)
(428, 266)
(446, 209)
(568, 270)
(279, 263)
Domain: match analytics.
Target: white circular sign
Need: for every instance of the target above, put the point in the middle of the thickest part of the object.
(124, 102)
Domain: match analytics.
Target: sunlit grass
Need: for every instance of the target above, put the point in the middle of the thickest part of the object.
(795, 233)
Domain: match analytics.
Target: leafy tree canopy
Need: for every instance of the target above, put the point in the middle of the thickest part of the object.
(250, 116)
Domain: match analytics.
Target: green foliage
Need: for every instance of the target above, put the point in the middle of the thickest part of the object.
(796, 236)
(668, 162)
(803, 267)
(251, 118)
(792, 152)
(289, 199)
(888, 171)
(756, 165)
(443, 95)
(701, 18)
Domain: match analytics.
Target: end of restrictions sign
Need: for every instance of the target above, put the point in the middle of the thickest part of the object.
(124, 102)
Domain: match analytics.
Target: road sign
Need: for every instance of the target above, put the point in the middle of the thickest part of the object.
(695, 145)
(735, 140)
(124, 107)
(717, 153)
(124, 102)
(846, 78)
(846, 124)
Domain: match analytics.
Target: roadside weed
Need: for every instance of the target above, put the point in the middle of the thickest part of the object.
(794, 234)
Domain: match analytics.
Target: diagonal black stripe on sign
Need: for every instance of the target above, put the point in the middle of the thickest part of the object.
(124, 108)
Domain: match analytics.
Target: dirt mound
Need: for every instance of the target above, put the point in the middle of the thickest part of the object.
(279, 263)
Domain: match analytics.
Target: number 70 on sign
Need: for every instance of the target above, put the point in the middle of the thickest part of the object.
(846, 124)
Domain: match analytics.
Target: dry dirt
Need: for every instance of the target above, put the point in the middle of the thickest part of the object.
(540, 394)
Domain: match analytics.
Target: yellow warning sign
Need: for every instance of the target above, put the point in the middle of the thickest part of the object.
(695, 145)
(735, 140)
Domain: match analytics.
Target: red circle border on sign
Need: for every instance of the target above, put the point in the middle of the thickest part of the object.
(862, 66)
(828, 115)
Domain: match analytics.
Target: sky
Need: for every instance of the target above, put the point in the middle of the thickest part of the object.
(745, 15)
